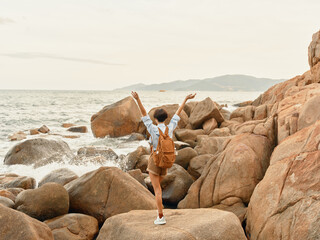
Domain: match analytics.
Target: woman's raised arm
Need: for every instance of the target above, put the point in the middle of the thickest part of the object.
(190, 96)
(141, 107)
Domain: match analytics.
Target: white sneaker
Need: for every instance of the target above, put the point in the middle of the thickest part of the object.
(160, 221)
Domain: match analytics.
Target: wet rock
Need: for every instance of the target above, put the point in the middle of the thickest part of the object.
(108, 191)
(184, 156)
(79, 129)
(197, 164)
(92, 151)
(18, 136)
(11, 180)
(136, 137)
(73, 226)
(38, 151)
(61, 176)
(203, 111)
(48, 201)
(200, 224)
(67, 125)
(285, 204)
(44, 129)
(19, 226)
(118, 119)
(34, 132)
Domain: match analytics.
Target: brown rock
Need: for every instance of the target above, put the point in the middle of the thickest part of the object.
(220, 132)
(137, 175)
(136, 137)
(61, 176)
(80, 129)
(7, 194)
(260, 112)
(10, 180)
(188, 134)
(314, 50)
(184, 156)
(19, 226)
(309, 113)
(18, 136)
(243, 104)
(92, 151)
(44, 129)
(209, 125)
(239, 209)
(6, 202)
(108, 191)
(285, 204)
(73, 226)
(203, 111)
(211, 145)
(197, 165)
(189, 106)
(67, 125)
(48, 201)
(34, 131)
(118, 119)
(38, 151)
(171, 110)
(246, 113)
(225, 113)
(231, 174)
(179, 145)
(142, 163)
(200, 224)
(133, 158)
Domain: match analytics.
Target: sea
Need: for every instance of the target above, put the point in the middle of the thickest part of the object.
(22, 110)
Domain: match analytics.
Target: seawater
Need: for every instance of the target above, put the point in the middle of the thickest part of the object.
(22, 110)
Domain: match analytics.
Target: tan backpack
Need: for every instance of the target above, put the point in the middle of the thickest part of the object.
(164, 156)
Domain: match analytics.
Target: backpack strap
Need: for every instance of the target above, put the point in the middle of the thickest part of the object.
(165, 132)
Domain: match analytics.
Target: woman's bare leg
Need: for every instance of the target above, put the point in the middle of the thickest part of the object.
(155, 180)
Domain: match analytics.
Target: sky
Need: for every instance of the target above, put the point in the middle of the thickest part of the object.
(107, 44)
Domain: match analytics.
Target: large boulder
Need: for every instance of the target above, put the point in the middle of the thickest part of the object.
(61, 176)
(171, 110)
(203, 111)
(134, 157)
(309, 113)
(118, 119)
(246, 113)
(184, 156)
(197, 164)
(6, 202)
(209, 125)
(314, 50)
(73, 226)
(200, 224)
(231, 176)
(12, 180)
(188, 134)
(19, 226)
(286, 204)
(38, 151)
(48, 201)
(175, 184)
(211, 145)
(108, 191)
(189, 106)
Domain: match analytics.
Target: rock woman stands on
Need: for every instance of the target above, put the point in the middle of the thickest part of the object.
(157, 173)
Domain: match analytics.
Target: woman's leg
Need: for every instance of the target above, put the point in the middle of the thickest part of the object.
(155, 180)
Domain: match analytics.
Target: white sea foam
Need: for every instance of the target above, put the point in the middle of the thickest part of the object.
(28, 109)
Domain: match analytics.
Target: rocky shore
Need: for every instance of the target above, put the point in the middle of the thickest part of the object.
(253, 173)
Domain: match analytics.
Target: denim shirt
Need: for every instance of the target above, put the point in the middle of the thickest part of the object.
(154, 131)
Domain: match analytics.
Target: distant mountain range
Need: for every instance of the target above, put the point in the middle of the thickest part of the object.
(222, 83)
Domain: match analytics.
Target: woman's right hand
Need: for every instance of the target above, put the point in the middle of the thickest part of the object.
(190, 96)
(135, 95)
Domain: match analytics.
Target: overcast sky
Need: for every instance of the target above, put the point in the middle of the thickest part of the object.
(106, 44)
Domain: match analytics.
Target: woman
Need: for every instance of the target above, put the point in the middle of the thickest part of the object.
(157, 173)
